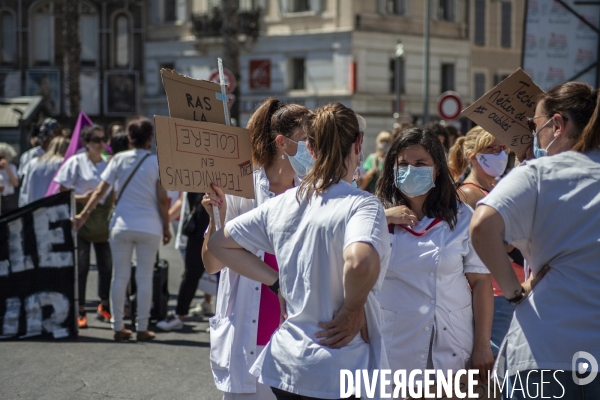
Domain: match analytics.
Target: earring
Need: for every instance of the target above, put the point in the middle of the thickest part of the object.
(282, 157)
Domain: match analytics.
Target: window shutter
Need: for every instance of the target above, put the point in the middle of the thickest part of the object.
(479, 85)
(480, 22)
(181, 10)
(283, 7)
(506, 23)
(315, 5)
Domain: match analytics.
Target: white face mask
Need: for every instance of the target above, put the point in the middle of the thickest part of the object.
(493, 165)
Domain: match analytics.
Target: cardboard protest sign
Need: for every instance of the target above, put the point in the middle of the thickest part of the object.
(480, 391)
(192, 155)
(37, 270)
(503, 111)
(193, 99)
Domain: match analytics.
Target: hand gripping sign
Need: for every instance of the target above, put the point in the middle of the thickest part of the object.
(503, 111)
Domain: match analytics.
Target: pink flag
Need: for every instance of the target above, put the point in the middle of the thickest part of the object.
(82, 121)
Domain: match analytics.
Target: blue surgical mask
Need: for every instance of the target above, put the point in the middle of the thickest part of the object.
(537, 151)
(414, 181)
(302, 162)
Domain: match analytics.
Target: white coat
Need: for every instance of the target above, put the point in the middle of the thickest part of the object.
(426, 292)
(234, 328)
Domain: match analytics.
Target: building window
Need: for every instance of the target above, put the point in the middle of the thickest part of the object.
(298, 73)
(505, 35)
(499, 78)
(299, 5)
(394, 7)
(169, 65)
(446, 10)
(121, 42)
(479, 85)
(447, 77)
(246, 5)
(480, 22)
(7, 40)
(393, 75)
(88, 34)
(170, 14)
(42, 34)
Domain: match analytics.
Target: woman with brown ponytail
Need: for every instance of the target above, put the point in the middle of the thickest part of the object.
(548, 209)
(332, 245)
(247, 313)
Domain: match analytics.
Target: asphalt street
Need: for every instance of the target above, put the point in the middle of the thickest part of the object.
(173, 366)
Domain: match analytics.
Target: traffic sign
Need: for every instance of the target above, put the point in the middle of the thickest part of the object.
(229, 79)
(449, 106)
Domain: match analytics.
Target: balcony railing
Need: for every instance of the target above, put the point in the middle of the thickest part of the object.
(211, 24)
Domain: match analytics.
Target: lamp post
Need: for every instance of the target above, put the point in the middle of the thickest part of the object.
(399, 55)
(426, 62)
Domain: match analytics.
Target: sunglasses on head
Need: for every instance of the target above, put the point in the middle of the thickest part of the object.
(97, 139)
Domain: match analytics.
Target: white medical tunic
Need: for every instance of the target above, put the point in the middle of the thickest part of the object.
(426, 292)
(308, 240)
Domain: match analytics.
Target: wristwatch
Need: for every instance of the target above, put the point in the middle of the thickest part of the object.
(275, 287)
(519, 297)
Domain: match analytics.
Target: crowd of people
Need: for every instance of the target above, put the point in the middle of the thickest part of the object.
(400, 278)
(438, 251)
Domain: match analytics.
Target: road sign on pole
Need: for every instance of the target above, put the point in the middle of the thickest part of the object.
(449, 106)
(230, 81)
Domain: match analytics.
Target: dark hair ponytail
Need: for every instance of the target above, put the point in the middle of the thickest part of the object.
(140, 130)
(272, 118)
(580, 102)
(590, 137)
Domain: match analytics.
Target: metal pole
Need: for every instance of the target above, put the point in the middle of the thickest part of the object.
(399, 52)
(75, 260)
(426, 69)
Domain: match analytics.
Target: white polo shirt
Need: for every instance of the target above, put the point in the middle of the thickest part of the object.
(80, 173)
(550, 209)
(308, 240)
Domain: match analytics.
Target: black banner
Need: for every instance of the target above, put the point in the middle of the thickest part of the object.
(37, 270)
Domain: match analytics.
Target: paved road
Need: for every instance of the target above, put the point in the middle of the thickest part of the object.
(173, 366)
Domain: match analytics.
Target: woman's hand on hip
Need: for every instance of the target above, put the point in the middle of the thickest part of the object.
(482, 359)
(343, 328)
(401, 215)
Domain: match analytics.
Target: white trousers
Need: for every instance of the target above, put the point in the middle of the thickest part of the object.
(263, 392)
(146, 246)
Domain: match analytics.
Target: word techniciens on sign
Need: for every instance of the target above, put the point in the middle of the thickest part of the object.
(37, 270)
(193, 155)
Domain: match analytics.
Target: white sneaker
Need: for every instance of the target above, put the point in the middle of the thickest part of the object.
(171, 323)
(196, 311)
(207, 308)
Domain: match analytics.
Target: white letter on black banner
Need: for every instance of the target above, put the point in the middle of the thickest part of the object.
(18, 261)
(47, 237)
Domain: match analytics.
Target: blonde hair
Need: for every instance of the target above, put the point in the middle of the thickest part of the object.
(383, 136)
(331, 132)
(56, 149)
(475, 141)
(7, 151)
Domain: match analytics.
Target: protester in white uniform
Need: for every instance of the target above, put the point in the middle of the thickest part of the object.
(548, 209)
(81, 172)
(39, 172)
(332, 246)
(46, 132)
(436, 298)
(8, 178)
(247, 312)
(140, 219)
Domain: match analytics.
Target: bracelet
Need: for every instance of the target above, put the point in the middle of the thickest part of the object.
(275, 287)
(519, 297)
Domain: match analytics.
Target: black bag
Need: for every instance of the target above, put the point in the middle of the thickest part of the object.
(160, 292)
(189, 223)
